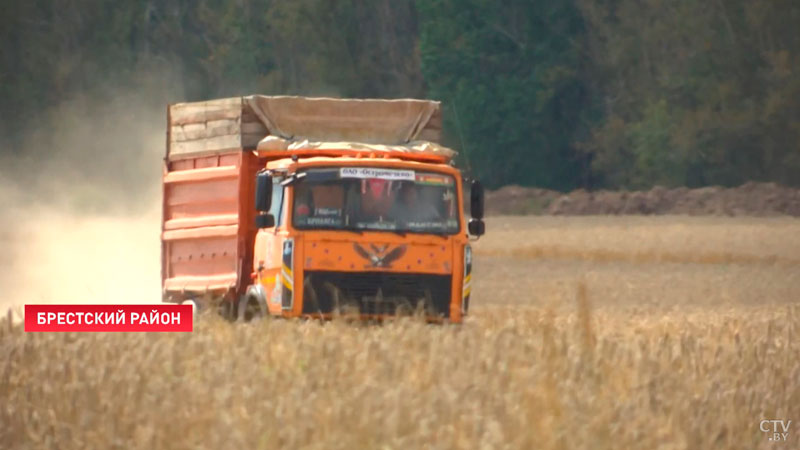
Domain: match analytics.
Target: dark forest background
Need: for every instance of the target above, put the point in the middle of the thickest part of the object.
(551, 93)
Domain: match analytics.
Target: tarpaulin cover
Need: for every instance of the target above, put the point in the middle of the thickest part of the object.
(279, 123)
(388, 122)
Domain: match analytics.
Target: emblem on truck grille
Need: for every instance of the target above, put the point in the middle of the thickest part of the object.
(380, 256)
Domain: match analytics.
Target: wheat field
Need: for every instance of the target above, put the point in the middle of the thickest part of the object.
(597, 332)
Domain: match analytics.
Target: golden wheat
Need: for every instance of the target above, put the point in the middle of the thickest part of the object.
(558, 354)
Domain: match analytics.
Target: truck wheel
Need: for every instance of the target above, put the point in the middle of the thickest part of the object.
(195, 305)
(253, 305)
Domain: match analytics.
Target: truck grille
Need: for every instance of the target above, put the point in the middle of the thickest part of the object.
(376, 292)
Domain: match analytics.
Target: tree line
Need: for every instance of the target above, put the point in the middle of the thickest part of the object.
(552, 93)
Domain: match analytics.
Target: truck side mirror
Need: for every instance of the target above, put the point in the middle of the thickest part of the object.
(476, 227)
(476, 200)
(263, 192)
(265, 221)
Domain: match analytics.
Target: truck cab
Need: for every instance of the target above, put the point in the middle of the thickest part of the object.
(353, 222)
(368, 235)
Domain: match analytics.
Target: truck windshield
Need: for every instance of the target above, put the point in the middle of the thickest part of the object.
(363, 198)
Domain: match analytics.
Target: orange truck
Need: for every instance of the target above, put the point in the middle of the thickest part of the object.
(313, 207)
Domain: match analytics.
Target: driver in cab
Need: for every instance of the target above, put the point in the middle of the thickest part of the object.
(409, 207)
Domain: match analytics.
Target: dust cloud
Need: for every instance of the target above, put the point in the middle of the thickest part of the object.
(81, 203)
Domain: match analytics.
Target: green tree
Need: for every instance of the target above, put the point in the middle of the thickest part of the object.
(694, 93)
(509, 75)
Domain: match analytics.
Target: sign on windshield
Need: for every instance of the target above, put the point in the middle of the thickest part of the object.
(382, 174)
(381, 199)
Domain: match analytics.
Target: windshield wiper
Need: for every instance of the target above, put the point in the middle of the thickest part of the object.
(351, 230)
(403, 233)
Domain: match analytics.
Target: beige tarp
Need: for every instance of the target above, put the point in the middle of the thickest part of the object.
(275, 123)
(386, 122)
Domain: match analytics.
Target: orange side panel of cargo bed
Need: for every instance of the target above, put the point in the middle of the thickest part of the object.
(208, 227)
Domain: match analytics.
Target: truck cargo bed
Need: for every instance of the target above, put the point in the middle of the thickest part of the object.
(208, 224)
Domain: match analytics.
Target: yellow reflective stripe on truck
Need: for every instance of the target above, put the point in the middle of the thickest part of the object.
(286, 277)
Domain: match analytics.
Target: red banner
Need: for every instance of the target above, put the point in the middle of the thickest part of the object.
(63, 318)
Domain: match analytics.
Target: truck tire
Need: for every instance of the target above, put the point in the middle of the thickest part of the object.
(195, 305)
(252, 305)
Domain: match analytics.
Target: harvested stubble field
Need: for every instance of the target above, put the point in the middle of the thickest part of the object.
(595, 332)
